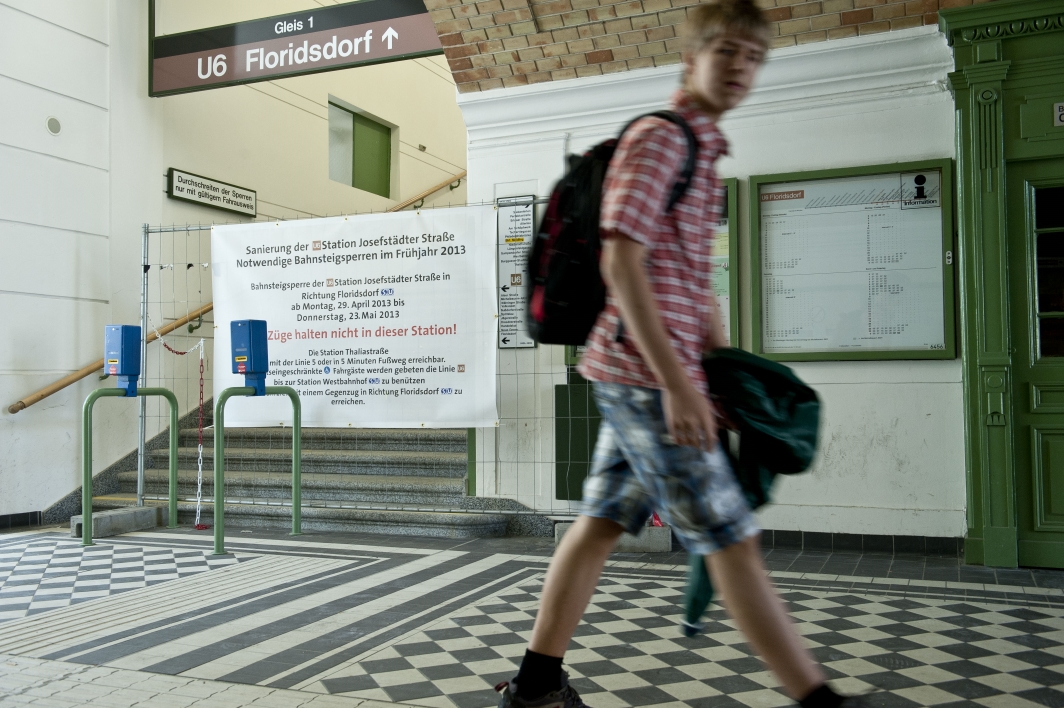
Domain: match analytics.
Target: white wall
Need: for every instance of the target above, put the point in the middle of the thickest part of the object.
(72, 206)
(55, 226)
(278, 141)
(892, 456)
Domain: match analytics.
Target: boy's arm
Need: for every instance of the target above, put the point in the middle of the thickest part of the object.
(688, 415)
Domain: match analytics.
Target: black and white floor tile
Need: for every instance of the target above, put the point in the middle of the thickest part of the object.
(437, 624)
(46, 574)
(628, 652)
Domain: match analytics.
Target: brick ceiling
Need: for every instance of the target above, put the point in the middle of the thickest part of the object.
(501, 43)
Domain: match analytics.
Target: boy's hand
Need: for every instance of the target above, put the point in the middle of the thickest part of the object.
(689, 417)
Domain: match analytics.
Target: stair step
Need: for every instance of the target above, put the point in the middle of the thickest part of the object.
(380, 480)
(393, 439)
(366, 462)
(397, 521)
(376, 489)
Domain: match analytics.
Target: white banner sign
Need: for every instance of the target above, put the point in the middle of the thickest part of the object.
(382, 320)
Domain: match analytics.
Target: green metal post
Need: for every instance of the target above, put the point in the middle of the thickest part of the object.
(86, 454)
(297, 453)
(471, 462)
(219, 458)
(219, 463)
(86, 460)
(172, 400)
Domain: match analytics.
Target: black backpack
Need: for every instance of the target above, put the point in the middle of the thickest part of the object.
(567, 292)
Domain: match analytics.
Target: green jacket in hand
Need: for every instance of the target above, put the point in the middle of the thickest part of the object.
(777, 418)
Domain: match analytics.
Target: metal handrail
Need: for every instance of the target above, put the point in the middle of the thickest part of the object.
(95, 366)
(98, 364)
(431, 190)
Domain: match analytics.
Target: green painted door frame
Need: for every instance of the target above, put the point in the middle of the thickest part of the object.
(1009, 58)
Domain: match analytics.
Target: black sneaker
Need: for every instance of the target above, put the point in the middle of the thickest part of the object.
(565, 697)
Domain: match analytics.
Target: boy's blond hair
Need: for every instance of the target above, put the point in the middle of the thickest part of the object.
(709, 20)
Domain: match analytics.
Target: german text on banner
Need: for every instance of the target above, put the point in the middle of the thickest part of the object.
(379, 320)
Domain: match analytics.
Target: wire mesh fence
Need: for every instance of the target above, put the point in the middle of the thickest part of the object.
(177, 271)
(175, 286)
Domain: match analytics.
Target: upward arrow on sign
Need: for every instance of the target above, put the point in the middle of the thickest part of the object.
(389, 35)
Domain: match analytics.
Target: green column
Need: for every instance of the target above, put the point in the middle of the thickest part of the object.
(471, 462)
(977, 87)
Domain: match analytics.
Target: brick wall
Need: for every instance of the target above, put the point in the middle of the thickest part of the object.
(495, 43)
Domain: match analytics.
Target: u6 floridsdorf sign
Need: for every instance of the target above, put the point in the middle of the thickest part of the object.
(324, 39)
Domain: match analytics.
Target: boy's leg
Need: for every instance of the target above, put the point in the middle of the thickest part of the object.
(746, 591)
(614, 501)
(571, 579)
(698, 495)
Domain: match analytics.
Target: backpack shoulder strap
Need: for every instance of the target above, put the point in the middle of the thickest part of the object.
(683, 181)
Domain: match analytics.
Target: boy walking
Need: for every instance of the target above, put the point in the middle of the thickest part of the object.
(657, 445)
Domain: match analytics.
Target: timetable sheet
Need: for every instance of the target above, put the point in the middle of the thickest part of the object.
(853, 263)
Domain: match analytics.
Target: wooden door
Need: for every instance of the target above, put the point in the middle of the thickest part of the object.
(1035, 204)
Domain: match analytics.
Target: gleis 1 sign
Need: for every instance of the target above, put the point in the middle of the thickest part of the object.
(324, 39)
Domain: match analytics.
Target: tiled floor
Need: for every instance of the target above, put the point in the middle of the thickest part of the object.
(360, 619)
(40, 682)
(41, 575)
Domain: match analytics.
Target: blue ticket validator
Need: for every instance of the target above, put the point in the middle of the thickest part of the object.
(250, 357)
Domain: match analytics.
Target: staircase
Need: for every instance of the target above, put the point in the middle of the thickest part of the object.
(388, 481)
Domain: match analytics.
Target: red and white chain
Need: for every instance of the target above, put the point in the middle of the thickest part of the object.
(199, 459)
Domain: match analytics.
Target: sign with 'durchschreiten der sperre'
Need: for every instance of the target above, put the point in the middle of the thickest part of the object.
(322, 39)
(378, 320)
(210, 192)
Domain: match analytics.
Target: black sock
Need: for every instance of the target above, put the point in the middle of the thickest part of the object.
(821, 697)
(539, 675)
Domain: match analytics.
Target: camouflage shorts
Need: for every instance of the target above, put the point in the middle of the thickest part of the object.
(637, 470)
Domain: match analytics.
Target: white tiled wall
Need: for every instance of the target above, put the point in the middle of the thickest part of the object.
(516, 459)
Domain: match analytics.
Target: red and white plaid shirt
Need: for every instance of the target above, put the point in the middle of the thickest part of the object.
(678, 244)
